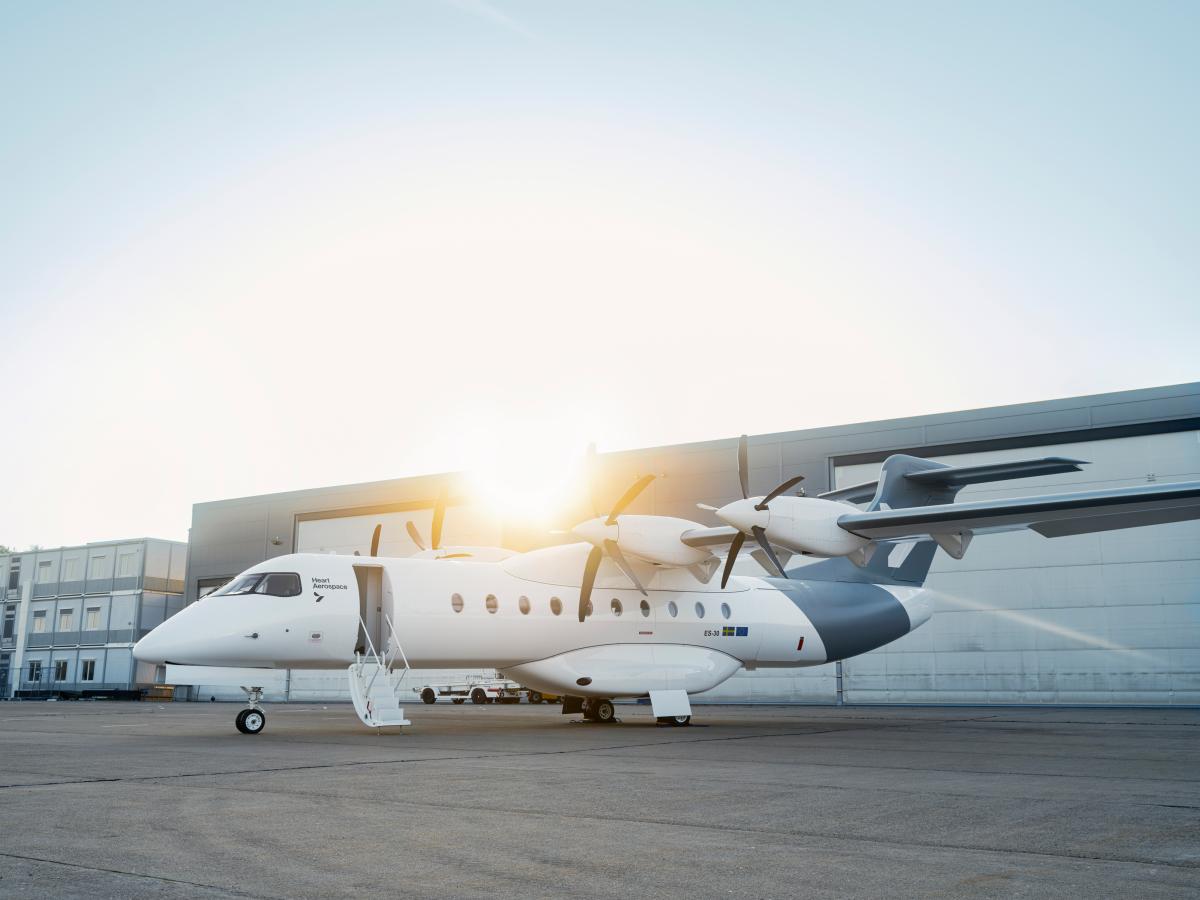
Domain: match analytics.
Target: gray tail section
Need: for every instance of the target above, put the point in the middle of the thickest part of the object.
(894, 562)
(909, 481)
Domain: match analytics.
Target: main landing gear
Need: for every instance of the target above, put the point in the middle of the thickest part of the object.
(254, 719)
(678, 721)
(601, 711)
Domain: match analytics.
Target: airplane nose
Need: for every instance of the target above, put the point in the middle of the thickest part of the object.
(151, 648)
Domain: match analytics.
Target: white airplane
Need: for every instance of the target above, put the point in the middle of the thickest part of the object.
(635, 610)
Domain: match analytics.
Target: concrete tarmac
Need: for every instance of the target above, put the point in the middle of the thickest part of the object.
(169, 801)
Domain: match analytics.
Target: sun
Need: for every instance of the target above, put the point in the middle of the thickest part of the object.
(529, 475)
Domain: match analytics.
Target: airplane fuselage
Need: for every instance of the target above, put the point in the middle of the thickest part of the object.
(520, 615)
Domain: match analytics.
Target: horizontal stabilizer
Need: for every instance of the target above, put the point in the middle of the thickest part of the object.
(1029, 468)
(912, 481)
(1052, 516)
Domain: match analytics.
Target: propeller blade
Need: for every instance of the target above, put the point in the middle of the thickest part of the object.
(375, 540)
(589, 579)
(614, 551)
(453, 556)
(760, 535)
(786, 486)
(589, 472)
(744, 465)
(738, 540)
(706, 507)
(439, 514)
(628, 497)
(414, 535)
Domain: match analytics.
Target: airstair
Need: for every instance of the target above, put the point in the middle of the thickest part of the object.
(375, 682)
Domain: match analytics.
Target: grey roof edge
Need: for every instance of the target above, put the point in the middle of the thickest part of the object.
(1163, 392)
(90, 544)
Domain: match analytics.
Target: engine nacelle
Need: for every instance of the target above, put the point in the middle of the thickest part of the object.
(803, 524)
(654, 539)
(809, 525)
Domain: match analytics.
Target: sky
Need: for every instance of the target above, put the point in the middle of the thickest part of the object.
(247, 248)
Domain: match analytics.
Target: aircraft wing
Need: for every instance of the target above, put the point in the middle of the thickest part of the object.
(1053, 515)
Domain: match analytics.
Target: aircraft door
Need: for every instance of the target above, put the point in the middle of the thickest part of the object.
(370, 609)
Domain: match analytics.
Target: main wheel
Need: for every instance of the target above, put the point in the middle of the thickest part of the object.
(457, 700)
(478, 696)
(535, 697)
(428, 695)
(603, 711)
(251, 721)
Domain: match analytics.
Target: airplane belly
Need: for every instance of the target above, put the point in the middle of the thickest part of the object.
(627, 670)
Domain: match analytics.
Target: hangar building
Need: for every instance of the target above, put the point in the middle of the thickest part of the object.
(1110, 618)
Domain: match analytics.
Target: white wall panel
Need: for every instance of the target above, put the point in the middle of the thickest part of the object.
(1106, 618)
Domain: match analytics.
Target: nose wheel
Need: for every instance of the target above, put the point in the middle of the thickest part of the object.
(254, 719)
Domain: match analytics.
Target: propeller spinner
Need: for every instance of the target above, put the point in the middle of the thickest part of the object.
(750, 515)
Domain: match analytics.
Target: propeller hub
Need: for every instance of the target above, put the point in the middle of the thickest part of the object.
(595, 531)
(742, 515)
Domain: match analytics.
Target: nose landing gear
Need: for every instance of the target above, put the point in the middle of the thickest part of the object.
(253, 719)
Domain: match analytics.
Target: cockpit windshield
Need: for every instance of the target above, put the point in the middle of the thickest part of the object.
(272, 584)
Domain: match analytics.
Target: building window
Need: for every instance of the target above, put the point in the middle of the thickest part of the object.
(44, 575)
(615, 607)
(456, 602)
(92, 622)
(523, 604)
(60, 670)
(10, 622)
(556, 606)
(726, 612)
(66, 619)
(699, 610)
(14, 574)
(87, 670)
(39, 622)
(127, 566)
(492, 603)
(96, 566)
(672, 609)
(35, 670)
(70, 570)
(645, 609)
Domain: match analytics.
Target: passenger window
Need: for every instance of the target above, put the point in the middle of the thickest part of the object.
(615, 607)
(699, 610)
(492, 603)
(725, 611)
(556, 606)
(456, 602)
(672, 609)
(523, 603)
(645, 610)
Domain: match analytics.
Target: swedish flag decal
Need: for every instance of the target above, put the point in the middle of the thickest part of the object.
(728, 631)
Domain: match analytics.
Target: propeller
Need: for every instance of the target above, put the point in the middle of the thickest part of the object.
(435, 532)
(758, 532)
(375, 540)
(597, 533)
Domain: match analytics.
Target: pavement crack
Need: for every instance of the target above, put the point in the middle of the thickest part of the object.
(233, 892)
